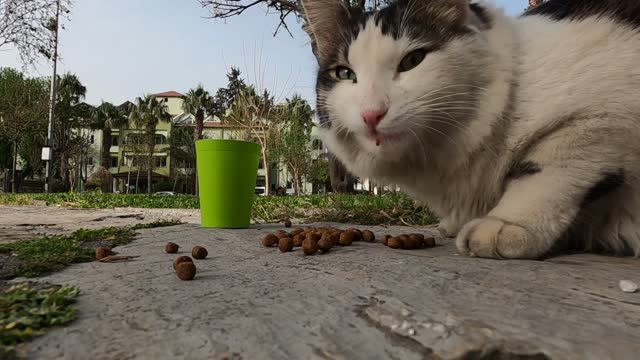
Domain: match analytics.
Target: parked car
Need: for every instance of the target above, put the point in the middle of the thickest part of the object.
(261, 190)
(164, 193)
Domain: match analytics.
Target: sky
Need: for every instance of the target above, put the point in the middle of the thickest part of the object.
(122, 49)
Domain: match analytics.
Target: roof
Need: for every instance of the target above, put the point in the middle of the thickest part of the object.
(169, 94)
(125, 105)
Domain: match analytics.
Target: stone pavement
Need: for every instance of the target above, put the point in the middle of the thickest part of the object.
(360, 302)
(28, 222)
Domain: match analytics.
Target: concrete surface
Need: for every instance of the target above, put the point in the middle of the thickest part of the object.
(360, 302)
(28, 222)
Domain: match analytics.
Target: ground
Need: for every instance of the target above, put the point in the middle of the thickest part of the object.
(366, 301)
(28, 222)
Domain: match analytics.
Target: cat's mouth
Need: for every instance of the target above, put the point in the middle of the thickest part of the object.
(384, 137)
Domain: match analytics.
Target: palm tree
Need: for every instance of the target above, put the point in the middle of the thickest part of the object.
(68, 116)
(147, 114)
(197, 102)
(107, 117)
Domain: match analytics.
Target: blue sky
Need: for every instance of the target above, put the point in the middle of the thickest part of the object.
(122, 49)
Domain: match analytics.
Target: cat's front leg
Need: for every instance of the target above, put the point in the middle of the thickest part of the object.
(535, 211)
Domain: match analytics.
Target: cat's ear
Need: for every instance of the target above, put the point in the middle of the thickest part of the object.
(449, 12)
(324, 20)
(458, 11)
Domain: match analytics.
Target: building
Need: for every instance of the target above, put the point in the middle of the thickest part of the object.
(128, 154)
(279, 177)
(128, 158)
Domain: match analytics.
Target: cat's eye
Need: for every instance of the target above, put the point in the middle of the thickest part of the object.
(411, 60)
(344, 73)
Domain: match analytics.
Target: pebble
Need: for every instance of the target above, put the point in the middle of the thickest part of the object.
(628, 286)
(405, 312)
(412, 332)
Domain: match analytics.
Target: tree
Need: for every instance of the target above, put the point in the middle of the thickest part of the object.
(198, 102)
(29, 26)
(183, 154)
(341, 179)
(257, 116)
(23, 108)
(106, 117)
(147, 114)
(70, 117)
(294, 147)
(225, 97)
(222, 9)
(534, 3)
(319, 173)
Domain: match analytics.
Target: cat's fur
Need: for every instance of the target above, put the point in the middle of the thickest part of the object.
(522, 134)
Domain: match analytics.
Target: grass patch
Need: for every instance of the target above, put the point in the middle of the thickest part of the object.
(361, 208)
(26, 311)
(98, 200)
(156, 224)
(48, 254)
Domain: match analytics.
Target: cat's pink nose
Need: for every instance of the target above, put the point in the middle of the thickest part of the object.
(373, 118)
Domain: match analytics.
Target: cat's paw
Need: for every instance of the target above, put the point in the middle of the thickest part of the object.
(495, 238)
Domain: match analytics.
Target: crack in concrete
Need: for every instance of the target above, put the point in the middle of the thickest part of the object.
(490, 350)
(397, 339)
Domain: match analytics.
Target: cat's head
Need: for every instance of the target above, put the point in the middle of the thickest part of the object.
(400, 80)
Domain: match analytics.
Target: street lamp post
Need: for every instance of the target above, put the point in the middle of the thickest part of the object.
(47, 151)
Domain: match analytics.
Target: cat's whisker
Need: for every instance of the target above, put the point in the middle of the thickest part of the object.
(438, 90)
(424, 148)
(438, 131)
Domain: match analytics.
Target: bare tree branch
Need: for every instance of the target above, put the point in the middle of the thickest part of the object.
(223, 9)
(29, 27)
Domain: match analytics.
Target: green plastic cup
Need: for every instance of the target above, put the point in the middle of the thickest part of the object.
(227, 172)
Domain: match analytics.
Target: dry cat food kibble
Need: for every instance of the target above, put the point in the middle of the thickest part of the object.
(310, 246)
(430, 242)
(357, 234)
(285, 244)
(410, 242)
(347, 238)
(287, 223)
(394, 243)
(171, 248)
(417, 237)
(186, 270)
(325, 244)
(312, 239)
(314, 236)
(179, 260)
(198, 252)
(269, 240)
(368, 236)
(298, 239)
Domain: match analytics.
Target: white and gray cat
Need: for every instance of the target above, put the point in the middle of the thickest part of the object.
(521, 134)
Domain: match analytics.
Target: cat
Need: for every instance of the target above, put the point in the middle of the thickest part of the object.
(520, 133)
